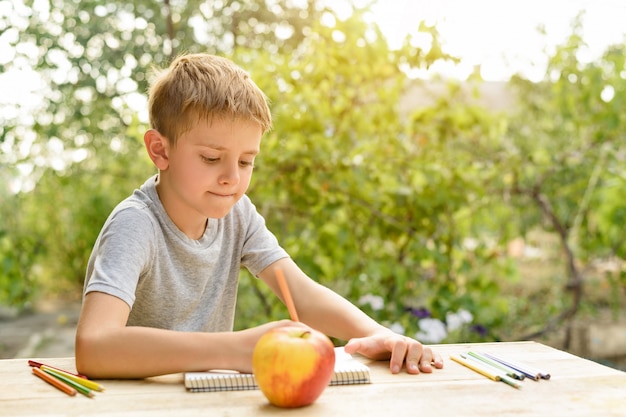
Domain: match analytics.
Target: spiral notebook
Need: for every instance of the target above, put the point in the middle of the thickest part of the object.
(348, 371)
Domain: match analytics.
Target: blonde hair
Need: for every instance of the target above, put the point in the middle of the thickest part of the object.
(200, 87)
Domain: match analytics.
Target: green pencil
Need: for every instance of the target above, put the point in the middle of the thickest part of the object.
(510, 381)
(498, 374)
(80, 388)
(508, 370)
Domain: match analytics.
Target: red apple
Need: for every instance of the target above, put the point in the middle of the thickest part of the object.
(293, 365)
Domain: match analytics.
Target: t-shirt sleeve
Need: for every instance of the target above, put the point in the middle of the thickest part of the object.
(121, 254)
(261, 248)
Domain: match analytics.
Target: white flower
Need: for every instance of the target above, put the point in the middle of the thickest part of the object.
(457, 320)
(375, 301)
(431, 331)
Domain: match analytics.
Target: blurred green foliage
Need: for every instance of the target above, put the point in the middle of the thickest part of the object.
(412, 206)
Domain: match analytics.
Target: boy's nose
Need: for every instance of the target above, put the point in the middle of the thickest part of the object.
(230, 175)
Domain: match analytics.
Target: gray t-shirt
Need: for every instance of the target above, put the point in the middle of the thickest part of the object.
(169, 280)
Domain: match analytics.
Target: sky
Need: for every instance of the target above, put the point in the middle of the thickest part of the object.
(501, 35)
(498, 35)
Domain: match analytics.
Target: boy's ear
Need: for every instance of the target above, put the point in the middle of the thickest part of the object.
(158, 148)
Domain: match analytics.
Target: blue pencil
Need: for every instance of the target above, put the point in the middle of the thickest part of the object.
(485, 369)
(513, 373)
(530, 372)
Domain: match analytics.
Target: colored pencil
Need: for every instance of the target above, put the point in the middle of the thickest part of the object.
(54, 382)
(78, 387)
(526, 370)
(39, 365)
(284, 288)
(513, 373)
(510, 381)
(475, 367)
(500, 375)
(485, 369)
(84, 382)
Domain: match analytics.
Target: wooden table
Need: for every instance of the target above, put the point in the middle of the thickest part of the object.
(577, 387)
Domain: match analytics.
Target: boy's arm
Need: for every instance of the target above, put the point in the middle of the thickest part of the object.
(328, 312)
(107, 348)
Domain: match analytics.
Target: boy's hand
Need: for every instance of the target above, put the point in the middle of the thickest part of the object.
(247, 340)
(399, 350)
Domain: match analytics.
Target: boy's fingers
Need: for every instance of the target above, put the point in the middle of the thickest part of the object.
(426, 360)
(398, 356)
(438, 361)
(414, 359)
(352, 346)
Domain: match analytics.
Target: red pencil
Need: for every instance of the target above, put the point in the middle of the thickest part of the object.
(39, 365)
(54, 382)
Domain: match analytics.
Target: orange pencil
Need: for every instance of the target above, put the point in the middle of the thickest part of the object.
(284, 288)
(87, 383)
(54, 382)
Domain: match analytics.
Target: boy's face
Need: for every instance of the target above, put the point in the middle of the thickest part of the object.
(209, 169)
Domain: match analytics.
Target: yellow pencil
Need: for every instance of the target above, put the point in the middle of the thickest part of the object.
(82, 381)
(475, 367)
(80, 388)
(486, 370)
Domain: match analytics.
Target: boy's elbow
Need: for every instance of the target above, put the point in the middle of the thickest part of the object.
(86, 357)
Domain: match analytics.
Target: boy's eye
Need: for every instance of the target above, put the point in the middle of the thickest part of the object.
(209, 159)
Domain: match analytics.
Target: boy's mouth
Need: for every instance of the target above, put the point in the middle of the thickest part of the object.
(222, 195)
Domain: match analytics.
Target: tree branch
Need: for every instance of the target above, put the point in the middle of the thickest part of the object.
(575, 283)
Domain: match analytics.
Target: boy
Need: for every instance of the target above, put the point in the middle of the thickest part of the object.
(162, 279)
